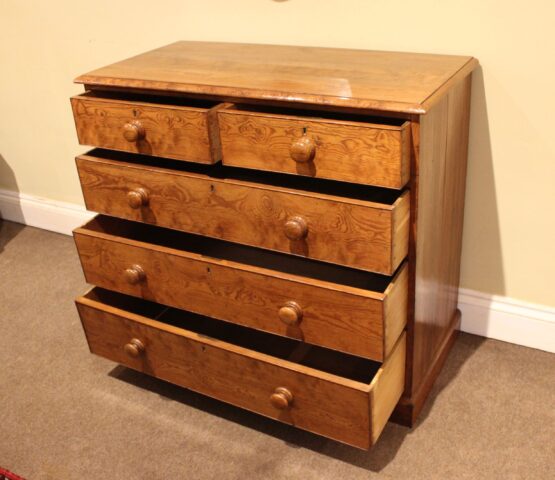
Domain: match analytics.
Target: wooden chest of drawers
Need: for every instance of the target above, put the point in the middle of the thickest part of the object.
(280, 227)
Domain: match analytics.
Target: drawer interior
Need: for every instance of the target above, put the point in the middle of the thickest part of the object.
(317, 114)
(330, 361)
(150, 98)
(218, 171)
(253, 256)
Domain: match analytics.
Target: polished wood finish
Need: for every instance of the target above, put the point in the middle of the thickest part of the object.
(409, 407)
(135, 274)
(344, 150)
(334, 163)
(356, 233)
(137, 198)
(382, 81)
(291, 313)
(346, 410)
(295, 228)
(441, 155)
(302, 149)
(134, 348)
(333, 315)
(282, 398)
(134, 131)
(171, 131)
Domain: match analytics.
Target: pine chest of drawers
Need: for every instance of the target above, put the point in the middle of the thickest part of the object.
(279, 227)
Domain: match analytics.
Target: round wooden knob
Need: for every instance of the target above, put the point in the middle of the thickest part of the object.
(134, 348)
(291, 313)
(303, 149)
(135, 274)
(282, 398)
(137, 198)
(295, 228)
(133, 131)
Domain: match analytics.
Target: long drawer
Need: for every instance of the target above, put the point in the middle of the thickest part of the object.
(177, 128)
(355, 226)
(351, 148)
(323, 304)
(342, 397)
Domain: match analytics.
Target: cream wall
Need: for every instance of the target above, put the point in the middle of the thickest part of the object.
(509, 240)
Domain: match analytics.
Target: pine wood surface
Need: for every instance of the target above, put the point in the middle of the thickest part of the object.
(168, 131)
(386, 81)
(343, 150)
(327, 404)
(334, 315)
(356, 233)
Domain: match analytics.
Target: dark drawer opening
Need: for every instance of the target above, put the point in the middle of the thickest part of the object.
(330, 361)
(319, 115)
(253, 256)
(150, 98)
(297, 182)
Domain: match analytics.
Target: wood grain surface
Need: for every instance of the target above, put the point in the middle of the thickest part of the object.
(170, 131)
(437, 220)
(348, 151)
(387, 81)
(323, 403)
(356, 233)
(337, 316)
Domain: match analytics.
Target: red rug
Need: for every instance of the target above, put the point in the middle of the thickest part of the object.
(6, 475)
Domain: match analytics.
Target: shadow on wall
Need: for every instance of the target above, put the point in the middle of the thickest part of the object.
(10, 208)
(482, 256)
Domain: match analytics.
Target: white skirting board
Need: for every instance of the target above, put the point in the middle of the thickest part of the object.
(60, 217)
(490, 316)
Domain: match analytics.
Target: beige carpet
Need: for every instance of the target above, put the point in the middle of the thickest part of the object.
(65, 414)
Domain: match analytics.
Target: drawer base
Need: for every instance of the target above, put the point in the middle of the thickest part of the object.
(409, 407)
(342, 397)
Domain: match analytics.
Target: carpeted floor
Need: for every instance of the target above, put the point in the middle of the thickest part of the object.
(65, 414)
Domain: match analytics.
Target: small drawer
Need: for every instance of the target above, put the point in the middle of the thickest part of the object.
(329, 393)
(348, 310)
(182, 129)
(352, 225)
(338, 147)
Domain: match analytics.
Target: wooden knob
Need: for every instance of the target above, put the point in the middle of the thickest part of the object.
(282, 398)
(134, 348)
(295, 228)
(134, 131)
(291, 313)
(303, 149)
(137, 198)
(135, 274)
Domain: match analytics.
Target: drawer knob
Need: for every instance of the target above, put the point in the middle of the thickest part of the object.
(134, 131)
(295, 228)
(137, 198)
(135, 274)
(291, 313)
(134, 348)
(303, 149)
(282, 398)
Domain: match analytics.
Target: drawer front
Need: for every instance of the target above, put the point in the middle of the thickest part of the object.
(333, 406)
(359, 234)
(344, 318)
(182, 133)
(338, 150)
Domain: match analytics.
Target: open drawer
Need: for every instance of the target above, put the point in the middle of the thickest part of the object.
(352, 225)
(350, 148)
(339, 396)
(348, 310)
(178, 128)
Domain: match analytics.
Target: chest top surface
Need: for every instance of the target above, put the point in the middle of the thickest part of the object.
(388, 81)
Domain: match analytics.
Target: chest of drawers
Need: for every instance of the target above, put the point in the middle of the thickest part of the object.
(279, 227)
